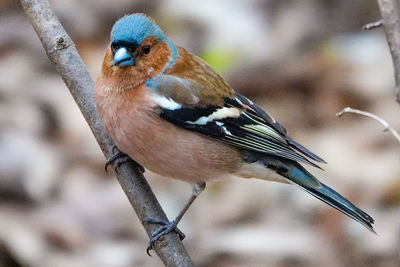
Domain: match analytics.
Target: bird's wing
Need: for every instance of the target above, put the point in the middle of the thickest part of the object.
(237, 121)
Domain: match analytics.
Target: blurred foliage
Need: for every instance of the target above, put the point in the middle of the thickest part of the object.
(220, 60)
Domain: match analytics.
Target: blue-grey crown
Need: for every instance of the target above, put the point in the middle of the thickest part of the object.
(135, 29)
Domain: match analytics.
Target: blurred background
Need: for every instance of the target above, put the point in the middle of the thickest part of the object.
(302, 61)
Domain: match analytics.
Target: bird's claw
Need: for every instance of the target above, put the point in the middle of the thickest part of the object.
(165, 228)
(112, 160)
(118, 158)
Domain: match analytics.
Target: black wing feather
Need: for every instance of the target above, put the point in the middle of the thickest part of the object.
(279, 128)
(253, 130)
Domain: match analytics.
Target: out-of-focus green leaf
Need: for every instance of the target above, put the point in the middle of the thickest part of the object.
(219, 59)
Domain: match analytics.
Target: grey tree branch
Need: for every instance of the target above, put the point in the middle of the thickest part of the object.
(385, 124)
(390, 12)
(62, 53)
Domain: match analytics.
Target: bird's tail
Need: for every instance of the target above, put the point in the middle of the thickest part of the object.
(298, 175)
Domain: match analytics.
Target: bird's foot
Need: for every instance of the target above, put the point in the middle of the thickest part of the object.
(165, 228)
(118, 158)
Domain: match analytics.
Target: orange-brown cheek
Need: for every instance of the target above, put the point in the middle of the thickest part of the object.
(147, 66)
(157, 59)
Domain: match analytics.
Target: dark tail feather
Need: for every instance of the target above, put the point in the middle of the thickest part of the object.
(334, 199)
(298, 175)
(301, 177)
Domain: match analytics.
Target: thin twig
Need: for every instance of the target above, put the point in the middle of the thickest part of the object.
(62, 53)
(373, 25)
(385, 124)
(390, 12)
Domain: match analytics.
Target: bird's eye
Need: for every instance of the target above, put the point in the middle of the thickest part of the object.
(146, 49)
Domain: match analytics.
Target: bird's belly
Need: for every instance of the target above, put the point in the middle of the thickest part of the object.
(169, 150)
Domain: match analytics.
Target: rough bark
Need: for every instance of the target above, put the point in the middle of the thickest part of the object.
(62, 53)
(390, 12)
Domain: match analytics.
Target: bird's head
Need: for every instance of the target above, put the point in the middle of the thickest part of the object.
(138, 51)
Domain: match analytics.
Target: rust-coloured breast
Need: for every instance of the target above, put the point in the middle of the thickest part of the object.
(133, 123)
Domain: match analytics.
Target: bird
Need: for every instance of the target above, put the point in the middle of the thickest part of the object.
(170, 112)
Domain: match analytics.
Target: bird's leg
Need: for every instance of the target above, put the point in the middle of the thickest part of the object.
(167, 227)
(118, 158)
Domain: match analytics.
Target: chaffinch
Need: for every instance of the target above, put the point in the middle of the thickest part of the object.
(172, 113)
